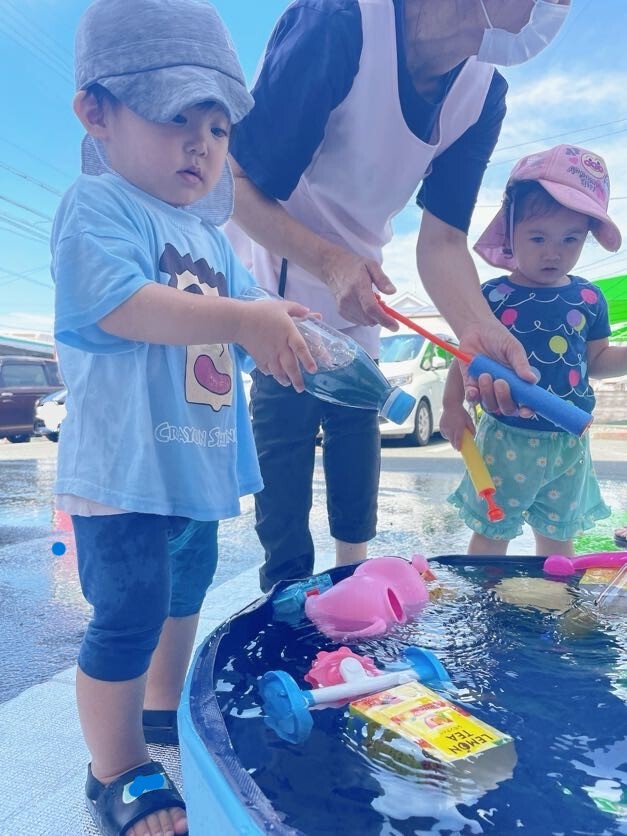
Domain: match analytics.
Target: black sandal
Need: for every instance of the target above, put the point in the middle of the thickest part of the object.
(134, 795)
(160, 727)
(620, 541)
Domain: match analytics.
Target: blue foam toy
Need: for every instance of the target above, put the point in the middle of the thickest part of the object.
(562, 413)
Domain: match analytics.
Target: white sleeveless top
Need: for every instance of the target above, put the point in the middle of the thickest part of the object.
(368, 165)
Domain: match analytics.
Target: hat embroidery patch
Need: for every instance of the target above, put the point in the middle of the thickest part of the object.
(593, 165)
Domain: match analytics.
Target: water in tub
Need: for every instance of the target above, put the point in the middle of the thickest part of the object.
(529, 657)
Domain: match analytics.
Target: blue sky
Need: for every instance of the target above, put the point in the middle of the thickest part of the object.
(575, 92)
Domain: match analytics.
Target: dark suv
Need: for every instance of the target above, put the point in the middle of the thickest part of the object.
(23, 380)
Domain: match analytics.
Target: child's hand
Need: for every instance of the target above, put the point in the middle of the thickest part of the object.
(269, 335)
(454, 420)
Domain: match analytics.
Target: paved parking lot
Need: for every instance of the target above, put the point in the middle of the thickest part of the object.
(43, 614)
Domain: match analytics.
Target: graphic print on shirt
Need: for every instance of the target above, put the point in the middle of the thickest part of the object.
(208, 368)
(554, 324)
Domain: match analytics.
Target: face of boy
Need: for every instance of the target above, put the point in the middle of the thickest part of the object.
(178, 162)
(548, 247)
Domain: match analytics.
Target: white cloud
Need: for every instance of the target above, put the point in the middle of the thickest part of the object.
(547, 111)
(24, 321)
(569, 93)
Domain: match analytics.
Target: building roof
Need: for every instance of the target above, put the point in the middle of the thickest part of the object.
(411, 305)
(27, 343)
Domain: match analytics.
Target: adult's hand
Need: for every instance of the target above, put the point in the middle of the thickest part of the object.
(450, 278)
(491, 338)
(350, 278)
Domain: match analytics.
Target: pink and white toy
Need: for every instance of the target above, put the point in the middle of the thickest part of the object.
(329, 667)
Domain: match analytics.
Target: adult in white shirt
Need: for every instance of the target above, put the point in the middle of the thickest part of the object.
(358, 102)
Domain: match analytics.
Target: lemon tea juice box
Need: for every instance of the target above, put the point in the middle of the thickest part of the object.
(440, 729)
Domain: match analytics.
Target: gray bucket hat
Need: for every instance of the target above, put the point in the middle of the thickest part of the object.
(159, 57)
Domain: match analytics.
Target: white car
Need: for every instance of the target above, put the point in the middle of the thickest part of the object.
(49, 413)
(420, 368)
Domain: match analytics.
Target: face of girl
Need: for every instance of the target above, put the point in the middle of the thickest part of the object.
(547, 247)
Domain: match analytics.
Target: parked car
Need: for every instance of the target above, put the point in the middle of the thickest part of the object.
(419, 367)
(23, 380)
(49, 413)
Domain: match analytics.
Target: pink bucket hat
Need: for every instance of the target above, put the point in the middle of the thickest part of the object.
(574, 177)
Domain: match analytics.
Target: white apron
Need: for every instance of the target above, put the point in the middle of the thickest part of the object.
(368, 166)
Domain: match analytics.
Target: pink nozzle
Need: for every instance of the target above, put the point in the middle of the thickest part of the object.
(558, 564)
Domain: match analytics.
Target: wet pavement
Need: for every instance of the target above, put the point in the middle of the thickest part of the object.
(42, 612)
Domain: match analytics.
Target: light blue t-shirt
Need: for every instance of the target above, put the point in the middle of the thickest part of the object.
(149, 428)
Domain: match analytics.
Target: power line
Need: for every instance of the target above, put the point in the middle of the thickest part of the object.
(63, 55)
(22, 234)
(23, 150)
(26, 208)
(411, 204)
(616, 271)
(7, 272)
(497, 205)
(599, 136)
(31, 226)
(24, 277)
(30, 179)
(601, 260)
(15, 34)
(563, 133)
(25, 227)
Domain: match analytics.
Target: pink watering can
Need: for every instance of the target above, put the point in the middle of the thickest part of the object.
(381, 592)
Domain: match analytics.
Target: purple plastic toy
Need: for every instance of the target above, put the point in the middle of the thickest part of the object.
(381, 592)
(558, 564)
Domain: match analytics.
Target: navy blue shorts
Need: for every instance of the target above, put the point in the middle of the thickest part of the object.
(136, 570)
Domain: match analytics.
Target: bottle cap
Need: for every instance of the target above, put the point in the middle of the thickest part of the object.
(398, 406)
(289, 603)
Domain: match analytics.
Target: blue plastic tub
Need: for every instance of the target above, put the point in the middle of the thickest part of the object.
(241, 779)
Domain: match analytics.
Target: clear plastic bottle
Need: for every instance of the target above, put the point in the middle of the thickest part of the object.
(346, 374)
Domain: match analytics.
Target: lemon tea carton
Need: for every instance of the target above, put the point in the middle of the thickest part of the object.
(410, 726)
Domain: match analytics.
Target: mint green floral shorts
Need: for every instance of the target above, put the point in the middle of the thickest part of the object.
(546, 479)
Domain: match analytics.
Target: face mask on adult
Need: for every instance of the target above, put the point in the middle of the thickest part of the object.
(506, 49)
